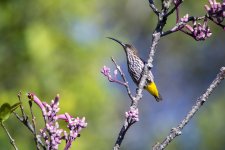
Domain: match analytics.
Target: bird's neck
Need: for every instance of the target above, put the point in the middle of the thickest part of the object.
(130, 55)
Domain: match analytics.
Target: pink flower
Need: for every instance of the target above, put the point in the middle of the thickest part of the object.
(132, 115)
(198, 31)
(106, 71)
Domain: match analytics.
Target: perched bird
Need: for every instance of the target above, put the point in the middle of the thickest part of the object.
(135, 68)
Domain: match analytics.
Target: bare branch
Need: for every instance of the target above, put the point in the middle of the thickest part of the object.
(124, 78)
(152, 5)
(122, 133)
(165, 6)
(21, 106)
(200, 101)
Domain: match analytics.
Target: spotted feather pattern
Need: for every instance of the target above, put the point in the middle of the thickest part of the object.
(135, 67)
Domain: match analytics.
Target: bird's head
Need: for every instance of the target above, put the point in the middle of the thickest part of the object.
(126, 47)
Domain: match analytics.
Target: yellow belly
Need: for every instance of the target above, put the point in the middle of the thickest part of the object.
(152, 89)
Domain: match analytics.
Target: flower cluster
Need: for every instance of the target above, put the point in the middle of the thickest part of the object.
(197, 30)
(200, 32)
(216, 10)
(52, 134)
(74, 125)
(106, 72)
(132, 115)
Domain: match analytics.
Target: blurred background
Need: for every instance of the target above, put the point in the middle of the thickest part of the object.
(59, 47)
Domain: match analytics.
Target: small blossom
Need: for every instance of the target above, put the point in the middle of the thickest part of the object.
(115, 73)
(105, 70)
(75, 125)
(33, 97)
(132, 115)
(185, 18)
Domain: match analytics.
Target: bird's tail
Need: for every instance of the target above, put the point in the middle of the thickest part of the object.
(152, 89)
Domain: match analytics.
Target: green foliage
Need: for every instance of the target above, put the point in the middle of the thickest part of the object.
(6, 110)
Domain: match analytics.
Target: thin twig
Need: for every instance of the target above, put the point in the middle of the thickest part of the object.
(30, 127)
(165, 7)
(21, 106)
(219, 24)
(34, 125)
(200, 101)
(123, 77)
(25, 122)
(12, 141)
(174, 8)
(154, 8)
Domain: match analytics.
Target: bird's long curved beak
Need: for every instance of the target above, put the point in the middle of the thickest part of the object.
(117, 41)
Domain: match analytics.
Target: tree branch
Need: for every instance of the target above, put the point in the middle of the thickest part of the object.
(122, 133)
(181, 24)
(124, 78)
(152, 5)
(12, 141)
(34, 126)
(200, 101)
(219, 24)
(174, 8)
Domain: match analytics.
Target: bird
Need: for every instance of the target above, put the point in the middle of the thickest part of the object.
(135, 67)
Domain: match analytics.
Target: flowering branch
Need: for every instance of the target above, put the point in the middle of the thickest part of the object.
(181, 24)
(200, 101)
(215, 13)
(51, 133)
(131, 115)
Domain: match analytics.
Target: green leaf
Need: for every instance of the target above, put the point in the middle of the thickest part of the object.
(5, 111)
